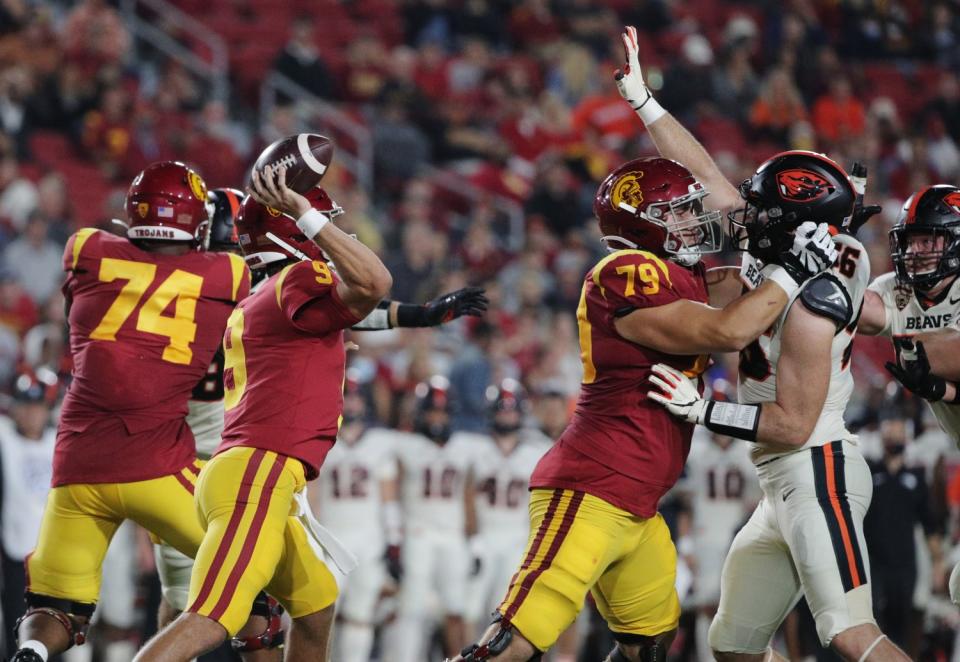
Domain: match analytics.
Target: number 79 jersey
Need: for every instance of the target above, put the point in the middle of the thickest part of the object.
(836, 294)
(143, 329)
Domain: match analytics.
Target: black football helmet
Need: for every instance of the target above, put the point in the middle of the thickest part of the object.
(432, 413)
(40, 385)
(508, 406)
(788, 189)
(934, 213)
(223, 204)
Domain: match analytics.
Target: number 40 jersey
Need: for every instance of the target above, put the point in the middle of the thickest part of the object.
(836, 294)
(143, 329)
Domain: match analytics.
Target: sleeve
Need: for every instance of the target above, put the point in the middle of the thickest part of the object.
(629, 280)
(74, 256)
(882, 285)
(827, 297)
(307, 294)
(378, 320)
(240, 278)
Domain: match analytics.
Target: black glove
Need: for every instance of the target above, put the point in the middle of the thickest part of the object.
(860, 216)
(913, 371)
(466, 301)
(394, 563)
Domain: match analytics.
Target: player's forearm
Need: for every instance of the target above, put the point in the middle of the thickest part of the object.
(357, 266)
(674, 142)
(783, 429)
(873, 316)
(745, 318)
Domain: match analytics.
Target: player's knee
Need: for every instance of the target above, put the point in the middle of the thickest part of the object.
(264, 629)
(74, 617)
(641, 648)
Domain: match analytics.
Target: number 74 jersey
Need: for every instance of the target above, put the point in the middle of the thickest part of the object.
(143, 329)
(836, 294)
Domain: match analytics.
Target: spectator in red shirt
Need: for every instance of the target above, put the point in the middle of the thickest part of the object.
(18, 313)
(95, 35)
(838, 115)
(777, 107)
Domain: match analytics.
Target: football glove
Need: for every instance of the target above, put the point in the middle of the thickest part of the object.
(812, 252)
(445, 308)
(630, 83)
(678, 393)
(912, 370)
(861, 214)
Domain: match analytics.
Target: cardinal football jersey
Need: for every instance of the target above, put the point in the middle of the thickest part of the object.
(907, 317)
(144, 327)
(433, 480)
(284, 362)
(843, 286)
(349, 490)
(621, 446)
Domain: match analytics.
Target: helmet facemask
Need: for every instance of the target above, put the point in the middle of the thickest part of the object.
(925, 256)
(691, 232)
(761, 232)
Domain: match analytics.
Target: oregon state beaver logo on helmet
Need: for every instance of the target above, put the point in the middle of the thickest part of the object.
(627, 189)
(952, 200)
(800, 185)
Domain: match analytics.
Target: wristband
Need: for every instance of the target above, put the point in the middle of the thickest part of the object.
(412, 315)
(781, 277)
(650, 110)
(732, 419)
(312, 222)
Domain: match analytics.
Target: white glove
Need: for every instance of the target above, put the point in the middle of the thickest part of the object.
(812, 252)
(630, 81)
(954, 585)
(680, 394)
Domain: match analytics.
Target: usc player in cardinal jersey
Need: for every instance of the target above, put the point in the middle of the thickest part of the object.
(146, 315)
(283, 376)
(594, 524)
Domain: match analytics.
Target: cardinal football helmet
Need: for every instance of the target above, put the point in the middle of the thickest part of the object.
(657, 205)
(167, 202)
(788, 189)
(925, 241)
(267, 235)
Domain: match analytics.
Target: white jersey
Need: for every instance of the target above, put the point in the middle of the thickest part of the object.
(722, 485)
(27, 469)
(205, 415)
(502, 485)
(906, 317)
(433, 482)
(758, 362)
(349, 493)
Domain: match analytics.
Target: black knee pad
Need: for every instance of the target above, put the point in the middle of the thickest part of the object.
(272, 636)
(73, 616)
(652, 649)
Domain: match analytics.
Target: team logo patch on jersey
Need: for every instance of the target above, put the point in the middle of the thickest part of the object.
(799, 185)
(952, 200)
(197, 186)
(143, 208)
(627, 189)
(901, 297)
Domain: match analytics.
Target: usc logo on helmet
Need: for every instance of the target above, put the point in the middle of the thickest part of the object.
(143, 208)
(799, 185)
(627, 189)
(197, 185)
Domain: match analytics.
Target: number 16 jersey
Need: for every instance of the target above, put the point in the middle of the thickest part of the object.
(143, 329)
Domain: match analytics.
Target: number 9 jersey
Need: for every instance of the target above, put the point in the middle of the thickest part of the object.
(143, 329)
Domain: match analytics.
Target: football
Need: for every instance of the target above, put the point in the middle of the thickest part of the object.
(305, 155)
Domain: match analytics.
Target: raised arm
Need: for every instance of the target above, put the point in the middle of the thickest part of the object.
(673, 141)
(364, 280)
(445, 308)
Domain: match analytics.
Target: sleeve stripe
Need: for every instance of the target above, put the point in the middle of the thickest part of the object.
(645, 254)
(238, 269)
(79, 239)
(279, 285)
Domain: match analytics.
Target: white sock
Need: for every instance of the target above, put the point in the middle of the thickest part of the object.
(37, 647)
(356, 640)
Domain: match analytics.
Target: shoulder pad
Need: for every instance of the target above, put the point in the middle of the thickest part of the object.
(825, 296)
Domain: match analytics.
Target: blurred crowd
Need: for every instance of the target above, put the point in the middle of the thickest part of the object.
(512, 99)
